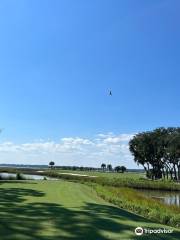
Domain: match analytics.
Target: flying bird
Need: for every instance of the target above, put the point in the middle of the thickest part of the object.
(110, 93)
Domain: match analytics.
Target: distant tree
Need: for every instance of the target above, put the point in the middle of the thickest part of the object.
(109, 167)
(103, 166)
(51, 164)
(123, 169)
(74, 168)
(81, 168)
(117, 168)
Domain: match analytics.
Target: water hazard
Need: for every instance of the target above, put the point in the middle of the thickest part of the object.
(27, 176)
(168, 197)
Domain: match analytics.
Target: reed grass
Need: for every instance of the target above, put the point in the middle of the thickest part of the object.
(136, 202)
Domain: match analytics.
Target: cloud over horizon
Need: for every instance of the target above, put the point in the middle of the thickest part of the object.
(107, 148)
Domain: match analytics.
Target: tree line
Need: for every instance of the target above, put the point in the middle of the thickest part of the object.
(109, 168)
(158, 151)
(103, 167)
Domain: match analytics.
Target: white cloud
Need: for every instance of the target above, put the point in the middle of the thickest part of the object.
(108, 148)
(118, 139)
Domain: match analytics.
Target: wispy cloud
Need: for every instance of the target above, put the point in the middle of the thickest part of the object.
(108, 148)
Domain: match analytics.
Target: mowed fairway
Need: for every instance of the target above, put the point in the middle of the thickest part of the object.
(134, 175)
(59, 210)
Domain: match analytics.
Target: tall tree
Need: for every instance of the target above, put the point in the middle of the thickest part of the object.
(158, 152)
(117, 168)
(103, 166)
(109, 167)
(51, 164)
(123, 169)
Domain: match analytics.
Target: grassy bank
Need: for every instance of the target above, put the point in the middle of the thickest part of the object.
(137, 183)
(130, 180)
(136, 202)
(53, 210)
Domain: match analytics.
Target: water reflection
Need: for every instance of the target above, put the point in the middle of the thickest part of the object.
(170, 198)
(27, 176)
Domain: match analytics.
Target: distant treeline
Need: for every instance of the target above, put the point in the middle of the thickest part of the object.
(158, 151)
(68, 168)
(78, 168)
(22, 165)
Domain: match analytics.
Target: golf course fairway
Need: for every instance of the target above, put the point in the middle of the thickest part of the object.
(60, 210)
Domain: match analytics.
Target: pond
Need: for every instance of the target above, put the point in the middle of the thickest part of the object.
(28, 176)
(168, 197)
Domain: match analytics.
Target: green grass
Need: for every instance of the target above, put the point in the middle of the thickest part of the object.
(128, 179)
(134, 175)
(136, 182)
(59, 210)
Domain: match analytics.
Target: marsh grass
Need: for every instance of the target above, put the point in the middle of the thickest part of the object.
(142, 184)
(136, 202)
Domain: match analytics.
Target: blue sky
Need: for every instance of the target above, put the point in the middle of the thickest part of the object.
(58, 60)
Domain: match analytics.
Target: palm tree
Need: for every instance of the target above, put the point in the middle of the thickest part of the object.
(123, 169)
(51, 164)
(109, 167)
(103, 166)
(117, 168)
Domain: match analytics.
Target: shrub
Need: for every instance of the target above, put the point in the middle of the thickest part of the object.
(19, 176)
(175, 220)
